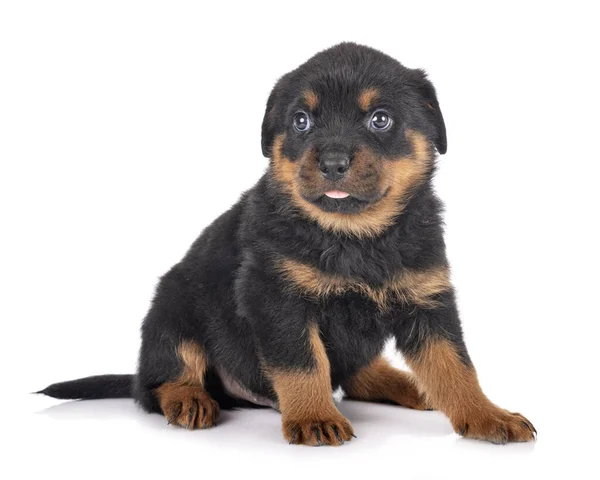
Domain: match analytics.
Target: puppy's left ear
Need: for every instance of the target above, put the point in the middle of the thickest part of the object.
(431, 105)
(269, 122)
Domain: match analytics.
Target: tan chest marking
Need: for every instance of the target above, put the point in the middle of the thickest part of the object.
(411, 287)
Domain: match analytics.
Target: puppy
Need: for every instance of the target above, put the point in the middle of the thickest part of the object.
(293, 292)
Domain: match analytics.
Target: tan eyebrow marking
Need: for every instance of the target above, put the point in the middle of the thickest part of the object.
(311, 99)
(367, 97)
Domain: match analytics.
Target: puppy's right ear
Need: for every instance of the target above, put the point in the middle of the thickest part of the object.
(269, 123)
(429, 101)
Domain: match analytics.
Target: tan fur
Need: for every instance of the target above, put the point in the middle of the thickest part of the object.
(311, 99)
(185, 402)
(396, 177)
(367, 97)
(414, 287)
(379, 381)
(453, 388)
(304, 394)
(306, 400)
(194, 363)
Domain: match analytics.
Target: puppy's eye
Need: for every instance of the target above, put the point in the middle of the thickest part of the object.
(380, 120)
(301, 122)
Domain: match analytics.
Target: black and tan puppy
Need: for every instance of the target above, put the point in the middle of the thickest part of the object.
(293, 292)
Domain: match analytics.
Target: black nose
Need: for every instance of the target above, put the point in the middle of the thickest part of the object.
(334, 165)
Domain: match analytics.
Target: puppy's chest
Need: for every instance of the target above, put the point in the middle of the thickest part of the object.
(407, 286)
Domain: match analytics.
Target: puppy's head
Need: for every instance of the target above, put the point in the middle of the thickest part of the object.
(350, 135)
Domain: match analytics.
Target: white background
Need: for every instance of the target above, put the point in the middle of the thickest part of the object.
(127, 127)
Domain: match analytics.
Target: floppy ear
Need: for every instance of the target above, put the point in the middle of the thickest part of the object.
(268, 124)
(434, 115)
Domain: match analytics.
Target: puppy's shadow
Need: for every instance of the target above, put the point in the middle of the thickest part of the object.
(373, 423)
(124, 410)
(111, 410)
(381, 420)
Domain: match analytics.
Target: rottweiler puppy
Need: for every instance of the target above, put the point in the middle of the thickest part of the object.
(293, 292)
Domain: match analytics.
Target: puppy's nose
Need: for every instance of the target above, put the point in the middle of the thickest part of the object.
(334, 165)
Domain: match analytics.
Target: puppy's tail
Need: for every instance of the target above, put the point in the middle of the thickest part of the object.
(92, 388)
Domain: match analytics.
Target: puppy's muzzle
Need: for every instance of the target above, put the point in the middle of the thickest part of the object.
(334, 165)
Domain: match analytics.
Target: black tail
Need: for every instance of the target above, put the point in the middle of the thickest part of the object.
(92, 388)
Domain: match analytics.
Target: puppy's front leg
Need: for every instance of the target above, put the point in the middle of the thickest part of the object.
(431, 340)
(292, 355)
(303, 389)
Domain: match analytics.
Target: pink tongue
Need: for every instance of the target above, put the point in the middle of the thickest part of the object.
(337, 194)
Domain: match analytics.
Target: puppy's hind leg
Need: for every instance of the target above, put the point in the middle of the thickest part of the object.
(184, 401)
(172, 367)
(380, 382)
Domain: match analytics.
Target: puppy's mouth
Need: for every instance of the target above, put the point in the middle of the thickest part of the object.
(337, 194)
(357, 189)
(342, 201)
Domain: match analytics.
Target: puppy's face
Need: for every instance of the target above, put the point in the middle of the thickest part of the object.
(350, 134)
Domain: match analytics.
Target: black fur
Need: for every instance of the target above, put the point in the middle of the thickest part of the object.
(93, 388)
(227, 296)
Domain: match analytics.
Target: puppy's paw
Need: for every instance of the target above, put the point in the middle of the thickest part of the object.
(333, 430)
(189, 407)
(497, 426)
